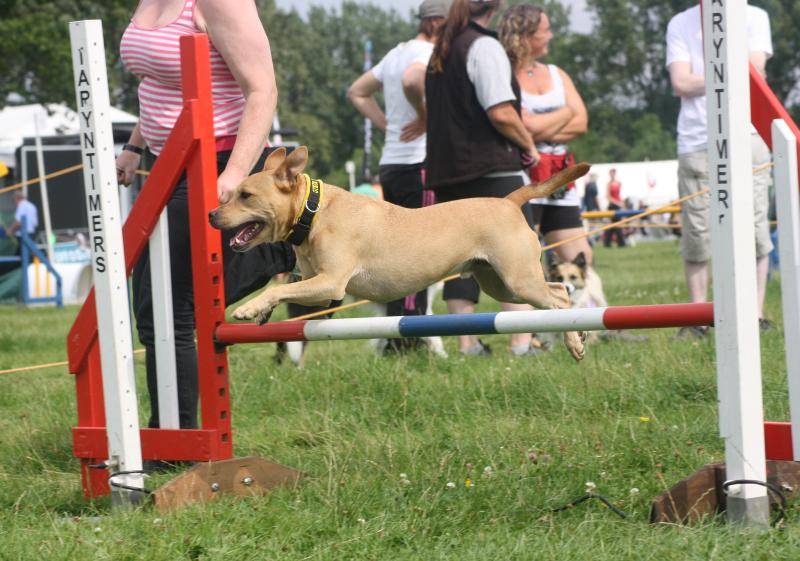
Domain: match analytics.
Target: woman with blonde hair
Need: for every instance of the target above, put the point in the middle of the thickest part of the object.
(554, 114)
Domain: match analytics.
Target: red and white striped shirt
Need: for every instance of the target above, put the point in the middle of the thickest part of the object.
(153, 55)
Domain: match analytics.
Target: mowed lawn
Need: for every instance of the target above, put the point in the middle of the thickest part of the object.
(412, 457)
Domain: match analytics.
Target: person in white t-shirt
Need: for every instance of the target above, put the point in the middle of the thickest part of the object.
(687, 75)
(401, 76)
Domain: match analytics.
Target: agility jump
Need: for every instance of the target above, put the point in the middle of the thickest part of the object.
(191, 147)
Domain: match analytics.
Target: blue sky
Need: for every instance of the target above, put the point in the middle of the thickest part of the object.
(580, 21)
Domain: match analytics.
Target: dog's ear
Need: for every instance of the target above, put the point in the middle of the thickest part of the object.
(275, 160)
(292, 166)
(296, 162)
(580, 261)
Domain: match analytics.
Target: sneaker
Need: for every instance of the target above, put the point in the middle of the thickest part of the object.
(478, 349)
(157, 466)
(403, 346)
(160, 466)
(540, 344)
(526, 350)
(694, 332)
(765, 324)
(624, 336)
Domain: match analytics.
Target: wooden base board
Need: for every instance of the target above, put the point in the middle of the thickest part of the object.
(242, 477)
(700, 495)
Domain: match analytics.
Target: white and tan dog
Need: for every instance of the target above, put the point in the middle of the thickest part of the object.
(581, 280)
(374, 250)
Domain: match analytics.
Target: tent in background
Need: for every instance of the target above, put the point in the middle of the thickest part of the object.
(18, 122)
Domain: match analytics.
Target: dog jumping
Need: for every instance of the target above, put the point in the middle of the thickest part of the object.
(371, 249)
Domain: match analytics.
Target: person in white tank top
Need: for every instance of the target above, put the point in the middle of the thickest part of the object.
(554, 114)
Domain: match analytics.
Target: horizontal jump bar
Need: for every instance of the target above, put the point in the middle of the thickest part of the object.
(537, 321)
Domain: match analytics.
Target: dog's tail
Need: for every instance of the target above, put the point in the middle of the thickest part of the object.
(550, 185)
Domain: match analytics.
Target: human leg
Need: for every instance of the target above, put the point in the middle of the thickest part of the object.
(696, 280)
(182, 317)
(461, 295)
(695, 243)
(761, 183)
(560, 222)
(403, 186)
(762, 274)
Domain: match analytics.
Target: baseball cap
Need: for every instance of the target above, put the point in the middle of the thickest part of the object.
(434, 8)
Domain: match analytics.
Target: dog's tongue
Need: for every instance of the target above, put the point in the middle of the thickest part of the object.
(247, 233)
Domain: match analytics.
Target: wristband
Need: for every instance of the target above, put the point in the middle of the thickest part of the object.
(132, 148)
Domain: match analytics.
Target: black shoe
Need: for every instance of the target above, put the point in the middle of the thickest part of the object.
(625, 336)
(160, 466)
(156, 466)
(280, 353)
(403, 346)
(694, 332)
(478, 349)
(765, 324)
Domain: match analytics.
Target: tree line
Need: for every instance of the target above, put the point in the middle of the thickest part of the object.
(618, 67)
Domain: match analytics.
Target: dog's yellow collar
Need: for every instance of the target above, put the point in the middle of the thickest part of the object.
(308, 210)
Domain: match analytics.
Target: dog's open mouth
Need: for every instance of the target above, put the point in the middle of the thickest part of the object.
(245, 235)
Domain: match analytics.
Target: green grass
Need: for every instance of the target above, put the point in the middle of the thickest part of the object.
(630, 416)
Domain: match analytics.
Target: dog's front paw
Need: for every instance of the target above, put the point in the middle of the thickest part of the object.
(254, 310)
(575, 344)
(263, 316)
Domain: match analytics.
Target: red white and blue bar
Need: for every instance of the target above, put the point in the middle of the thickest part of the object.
(537, 321)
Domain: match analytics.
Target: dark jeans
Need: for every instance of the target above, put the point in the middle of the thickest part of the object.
(404, 185)
(244, 273)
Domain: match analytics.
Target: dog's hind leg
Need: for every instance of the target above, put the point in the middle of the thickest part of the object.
(517, 273)
(491, 283)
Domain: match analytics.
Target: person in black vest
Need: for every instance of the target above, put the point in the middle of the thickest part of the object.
(477, 143)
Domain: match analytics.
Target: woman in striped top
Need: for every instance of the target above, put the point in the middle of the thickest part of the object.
(244, 100)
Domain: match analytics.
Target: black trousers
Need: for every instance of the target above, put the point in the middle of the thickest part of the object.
(496, 187)
(612, 233)
(244, 273)
(404, 185)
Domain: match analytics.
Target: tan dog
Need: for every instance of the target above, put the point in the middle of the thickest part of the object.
(374, 250)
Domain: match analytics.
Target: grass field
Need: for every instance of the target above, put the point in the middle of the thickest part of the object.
(515, 437)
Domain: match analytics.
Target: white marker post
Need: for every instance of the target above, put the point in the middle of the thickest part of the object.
(108, 259)
(733, 250)
(48, 228)
(164, 326)
(787, 201)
